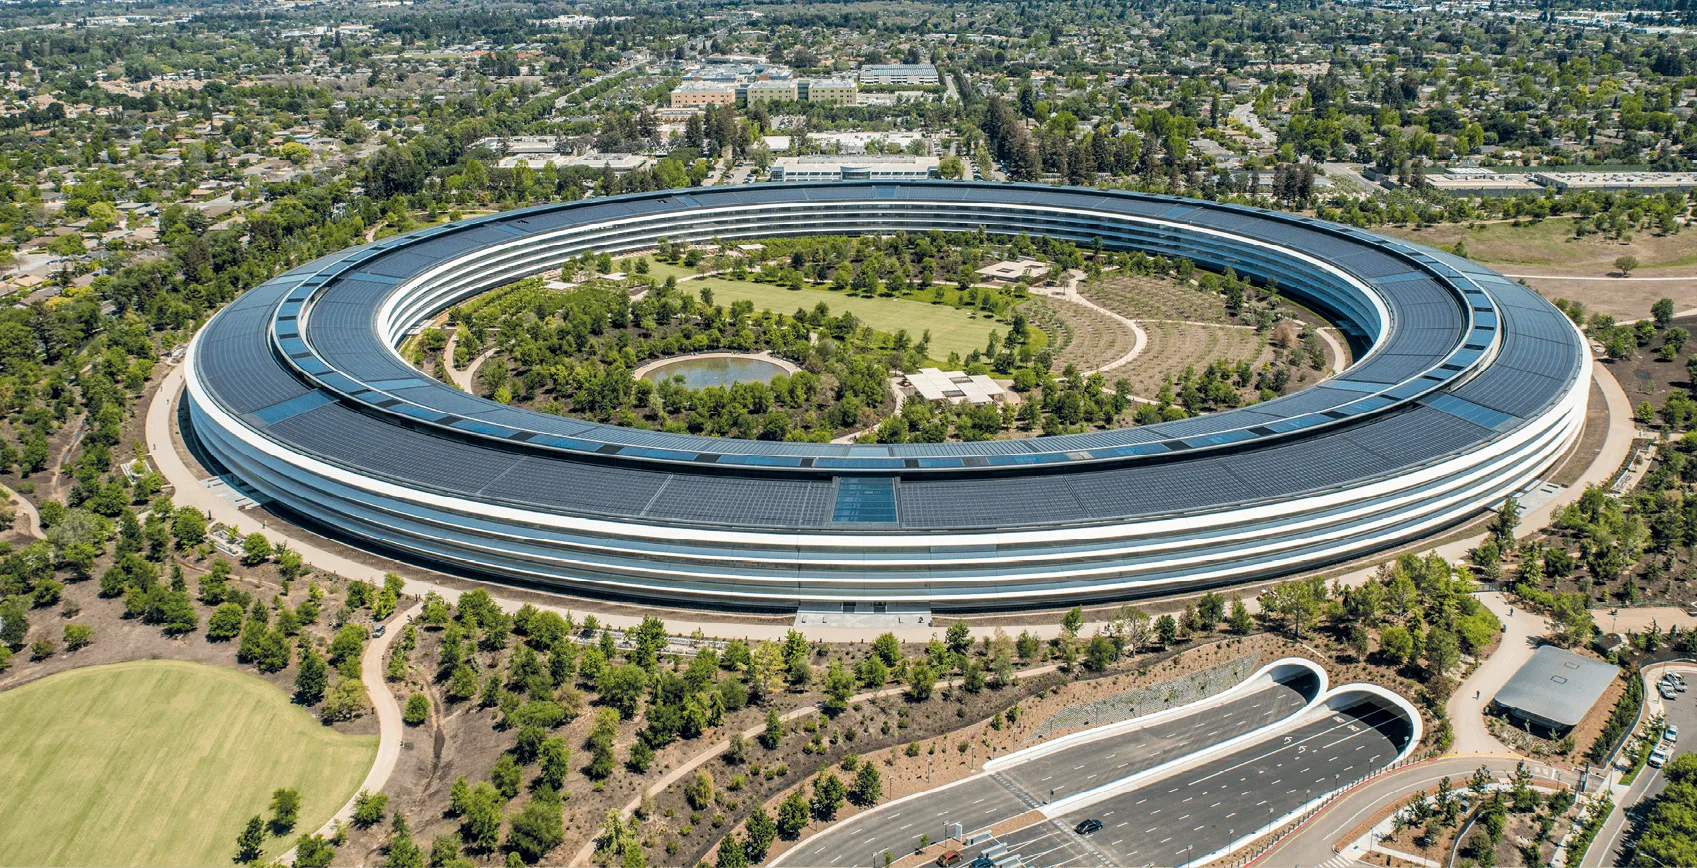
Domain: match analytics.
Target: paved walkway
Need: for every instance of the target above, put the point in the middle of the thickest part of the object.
(1139, 339)
(26, 510)
(390, 729)
(1467, 706)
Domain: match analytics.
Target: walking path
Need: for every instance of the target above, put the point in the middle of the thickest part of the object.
(32, 518)
(1467, 705)
(390, 728)
(1140, 339)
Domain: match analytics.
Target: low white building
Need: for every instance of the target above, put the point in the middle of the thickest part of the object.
(955, 387)
(870, 167)
(1014, 271)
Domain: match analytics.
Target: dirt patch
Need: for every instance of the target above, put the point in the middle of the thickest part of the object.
(1174, 346)
(1080, 335)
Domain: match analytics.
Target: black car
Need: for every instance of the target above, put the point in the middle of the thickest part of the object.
(1088, 826)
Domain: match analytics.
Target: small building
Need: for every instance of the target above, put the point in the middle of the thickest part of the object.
(697, 94)
(1014, 271)
(1555, 689)
(955, 387)
(899, 73)
(1640, 182)
(774, 90)
(870, 167)
(1482, 183)
(829, 91)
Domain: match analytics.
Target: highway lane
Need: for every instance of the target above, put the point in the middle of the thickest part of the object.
(984, 800)
(1064, 773)
(1200, 810)
(1613, 840)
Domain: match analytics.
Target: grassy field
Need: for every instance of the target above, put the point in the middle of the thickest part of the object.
(952, 329)
(160, 762)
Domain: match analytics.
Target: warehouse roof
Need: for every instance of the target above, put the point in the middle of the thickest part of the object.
(1556, 687)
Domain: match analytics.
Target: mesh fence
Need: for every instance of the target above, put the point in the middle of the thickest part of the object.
(1154, 698)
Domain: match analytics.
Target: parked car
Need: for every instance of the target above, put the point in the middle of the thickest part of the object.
(1667, 690)
(1671, 734)
(379, 630)
(949, 858)
(1088, 826)
(1658, 757)
(983, 861)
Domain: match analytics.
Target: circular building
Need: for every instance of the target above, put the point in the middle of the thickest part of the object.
(1467, 387)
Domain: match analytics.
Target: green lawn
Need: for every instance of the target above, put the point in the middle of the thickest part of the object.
(160, 762)
(952, 329)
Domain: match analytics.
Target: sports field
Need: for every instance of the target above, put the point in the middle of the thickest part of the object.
(160, 762)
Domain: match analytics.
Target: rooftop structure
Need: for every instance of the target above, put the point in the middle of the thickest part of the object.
(1482, 183)
(1014, 271)
(1642, 182)
(1467, 387)
(1555, 689)
(868, 167)
(694, 94)
(955, 387)
(899, 73)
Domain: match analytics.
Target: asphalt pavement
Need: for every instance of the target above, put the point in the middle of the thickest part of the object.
(1612, 844)
(986, 799)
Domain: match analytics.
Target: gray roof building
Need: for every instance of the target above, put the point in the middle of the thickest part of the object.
(1556, 688)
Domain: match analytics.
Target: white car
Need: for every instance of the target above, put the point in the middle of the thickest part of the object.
(1658, 757)
(1671, 734)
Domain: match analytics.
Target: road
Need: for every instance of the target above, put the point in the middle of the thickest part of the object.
(1180, 818)
(391, 730)
(987, 799)
(1611, 843)
(1312, 844)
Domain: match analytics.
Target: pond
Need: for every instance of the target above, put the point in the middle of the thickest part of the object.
(699, 373)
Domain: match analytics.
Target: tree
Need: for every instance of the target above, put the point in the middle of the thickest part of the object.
(1210, 610)
(345, 700)
(78, 636)
(888, 649)
(369, 808)
(1240, 622)
(699, 791)
(507, 776)
(225, 623)
(774, 731)
(622, 688)
(252, 838)
(1166, 630)
(792, 815)
(868, 786)
(1662, 312)
(1441, 651)
(839, 686)
(480, 821)
(733, 853)
(538, 828)
(601, 736)
(313, 676)
(1397, 644)
(418, 710)
(256, 549)
(1625, 264)
(1073, 620)
(828, 796)
(921, 680)
(285, 810)
(189, 527)
(312, 851)
(761, 831)
(554, 761)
